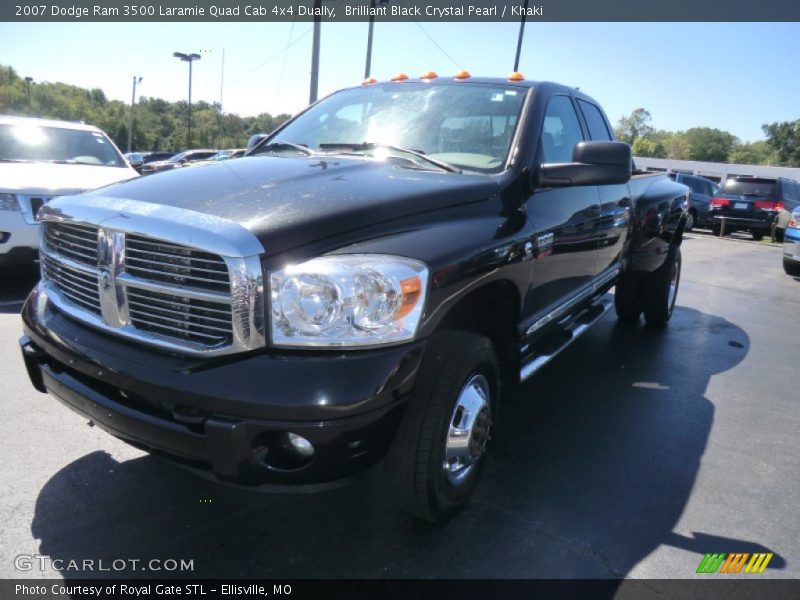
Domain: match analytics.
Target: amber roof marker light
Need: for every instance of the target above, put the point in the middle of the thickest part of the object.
(429, 75)
(400, 77)
(369, 81)
(462, 74)
(516, 76)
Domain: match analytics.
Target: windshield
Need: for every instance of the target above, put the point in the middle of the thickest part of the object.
(468, 125)
(34, 143)
(750, 187)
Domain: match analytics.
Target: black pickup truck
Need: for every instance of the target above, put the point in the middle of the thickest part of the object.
(365, 287)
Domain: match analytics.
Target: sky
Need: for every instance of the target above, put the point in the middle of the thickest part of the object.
(732, 76)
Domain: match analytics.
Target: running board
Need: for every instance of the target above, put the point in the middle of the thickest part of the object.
(593, 314)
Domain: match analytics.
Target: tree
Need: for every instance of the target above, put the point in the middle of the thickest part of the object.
(784, 140)
(651, 147)
(158, 124)
(709, 145)
(752, 153)
(635, 126)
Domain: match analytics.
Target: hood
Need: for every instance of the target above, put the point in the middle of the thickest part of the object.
(51, 179)
(290, 201)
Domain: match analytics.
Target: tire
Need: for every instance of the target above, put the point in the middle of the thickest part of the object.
(658, 293)
(628, 300)
(691, 221)
(757, 235)
(458, 369)
(791, 267)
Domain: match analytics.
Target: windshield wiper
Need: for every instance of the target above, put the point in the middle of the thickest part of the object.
(278, 146)
(372, 145)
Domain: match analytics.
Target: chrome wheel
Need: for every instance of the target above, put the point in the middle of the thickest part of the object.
(689, 222)
(673, 285)
(469, 430)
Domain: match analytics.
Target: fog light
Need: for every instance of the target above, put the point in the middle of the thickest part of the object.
(301, 445)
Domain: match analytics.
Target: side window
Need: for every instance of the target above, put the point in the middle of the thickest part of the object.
(598, 130)
(791, 195)
(560, 132)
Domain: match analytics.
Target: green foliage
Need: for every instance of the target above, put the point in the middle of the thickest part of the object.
(709, 145)
(158, 124)
(782, 146)
(783, 139)
(651, 147)
(635, 126)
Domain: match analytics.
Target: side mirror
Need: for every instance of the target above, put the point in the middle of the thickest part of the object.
(254, 139)
(593, 163)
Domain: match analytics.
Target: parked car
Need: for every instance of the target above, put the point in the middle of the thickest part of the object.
(791, 245)
(176, 161)
(138, 159)
(753, 204)
(41, 159)
(221, 155)
(702, 191)
(295, 317)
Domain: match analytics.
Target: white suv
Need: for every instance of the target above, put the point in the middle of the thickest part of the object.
(41, 159)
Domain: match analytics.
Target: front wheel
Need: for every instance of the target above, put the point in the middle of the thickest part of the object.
(791, 267)
(437, 457)
(691, 221)
(757, 235)
(660, 289)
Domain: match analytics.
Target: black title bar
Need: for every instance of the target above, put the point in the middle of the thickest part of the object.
(397, 10)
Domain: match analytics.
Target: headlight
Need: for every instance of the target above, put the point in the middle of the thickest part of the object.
(352, 300)
(8, 202)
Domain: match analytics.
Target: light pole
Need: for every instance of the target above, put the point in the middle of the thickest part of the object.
(312, 97)
(130, 116)
(28, 81)
(190, 58)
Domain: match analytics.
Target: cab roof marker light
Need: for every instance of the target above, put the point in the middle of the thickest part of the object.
(369, 81)
(462, 74)
(400, 77)
(429, 75)
(516, 76)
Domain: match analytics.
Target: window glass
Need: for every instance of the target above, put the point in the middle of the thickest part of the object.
(561, 131)
(35, 143)
(465, 124)
(598, 130)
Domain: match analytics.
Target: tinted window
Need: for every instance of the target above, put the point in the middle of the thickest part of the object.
(750, 187)
(561, 131)
(598, 130)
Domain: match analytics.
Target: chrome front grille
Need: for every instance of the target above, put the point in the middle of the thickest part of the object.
(175, 264)
(78, 286)
(172, 295)
(166, 314)
(72, 240)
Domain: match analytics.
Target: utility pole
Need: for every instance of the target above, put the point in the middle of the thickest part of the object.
(130, 116)
(190, 58)
(519, 40)
(315, 53)
(28, 81)
(368, 66)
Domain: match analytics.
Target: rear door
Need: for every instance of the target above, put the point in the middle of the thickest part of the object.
(564, 219)
(611, 228)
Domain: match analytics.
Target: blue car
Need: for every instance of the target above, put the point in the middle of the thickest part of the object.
(791, 245)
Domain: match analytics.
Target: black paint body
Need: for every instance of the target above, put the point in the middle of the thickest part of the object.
(501, 254)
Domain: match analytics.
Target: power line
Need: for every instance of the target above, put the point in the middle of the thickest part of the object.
(435, 43)
(273, 57)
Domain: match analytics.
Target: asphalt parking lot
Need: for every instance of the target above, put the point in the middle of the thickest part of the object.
(632, 455)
